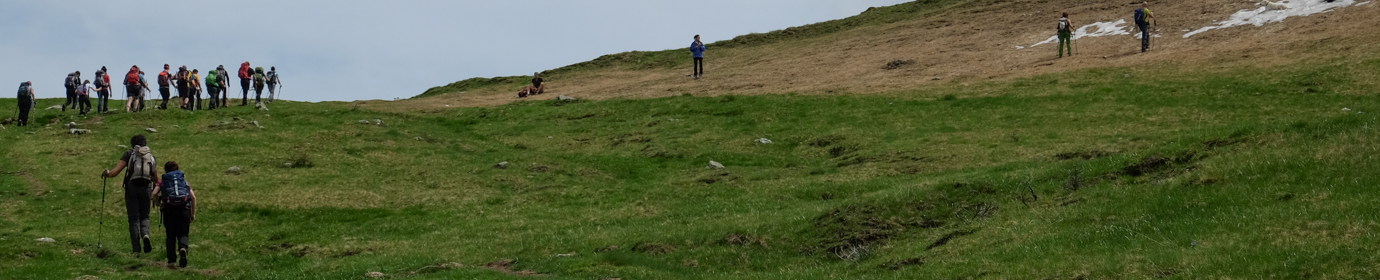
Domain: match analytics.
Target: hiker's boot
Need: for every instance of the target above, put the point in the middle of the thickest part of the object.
(182, 257)
(148, 245)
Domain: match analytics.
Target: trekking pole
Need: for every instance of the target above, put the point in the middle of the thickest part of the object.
(99, 232)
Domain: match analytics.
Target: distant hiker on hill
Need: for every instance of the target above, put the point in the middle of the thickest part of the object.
(1065, 33)
(272, 80)
(103, 88)
(143, 93)
(134, 87)
(538, 86)
(84, 97)
(91, 88)
(164, 81)
(178, 203)
(212, 86)
(258, 85)
(26, 102)
(138, 182)
(1143, 16)
(181, 80)
(246, 74)
(697, 48)
(224, 79)
(194, 87)
(72, 82)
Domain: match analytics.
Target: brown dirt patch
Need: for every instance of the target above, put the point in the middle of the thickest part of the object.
(506, 266)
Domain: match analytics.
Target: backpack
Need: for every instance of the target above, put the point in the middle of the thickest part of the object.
(141, 163)
(272, 77)
(211, 79)
(245, 71)
(1140, 16)
(100, 83)
(132, 78)
(163, 78)
(23, 91)
(1064, 24)
(71, 82)
(175, 189)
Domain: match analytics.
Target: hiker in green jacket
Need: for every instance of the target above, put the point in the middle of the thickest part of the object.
(258, 85)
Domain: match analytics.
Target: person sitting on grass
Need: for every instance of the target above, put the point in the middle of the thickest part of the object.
(178, 203)
(538, 86)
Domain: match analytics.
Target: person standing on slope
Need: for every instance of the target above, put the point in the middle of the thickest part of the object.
(71, 83)
(246, 74)
(697, 48)
(84, 98)
(223, 79)
(26, 102)
(138, 184)
(178, 203)
(211, 87)
(91, 88)
(133, 88)
(164, 78)
(272, 80)
(1065, 33)
(1143, 16)
(104, 88)
(258, 85)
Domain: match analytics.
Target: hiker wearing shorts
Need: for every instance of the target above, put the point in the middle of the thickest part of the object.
(1143, 16)
(163, 83)
(697, 48)
(26, 102)
(178, 203)
(246, 74)
(72, 82)
(1065, 33)
(182, 83)
(134, 90)
(272, 80)
(138, 184)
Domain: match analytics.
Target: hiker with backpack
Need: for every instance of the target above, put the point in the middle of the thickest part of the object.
(1143, 16)
(212, 85)
(72, 82)
(133, 87)
(1065, 33)
(272, 79)
(103, 89)
(164, 82)
(26, 102)
(258, 85)
(138, 184)
(84, 97)
(223, 78)
(194, 90)
(246, 74)
(180, 80)
(177, 201)
(697, 49)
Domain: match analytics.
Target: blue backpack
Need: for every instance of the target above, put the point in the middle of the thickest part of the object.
(1140, 17)
(175, 189)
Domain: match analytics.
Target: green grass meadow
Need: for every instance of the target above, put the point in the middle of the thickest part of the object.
(1108, 173)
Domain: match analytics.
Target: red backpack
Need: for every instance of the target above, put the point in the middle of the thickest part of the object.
(132, 78)
(245, 72)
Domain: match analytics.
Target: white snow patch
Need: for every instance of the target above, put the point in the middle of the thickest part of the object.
(1099, 29)
(1261, 16)
(1019, 47)
(1362, 3)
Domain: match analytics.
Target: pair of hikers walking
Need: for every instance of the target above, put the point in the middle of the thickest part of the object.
(1142, 20)
(175, 197)
(258, 77)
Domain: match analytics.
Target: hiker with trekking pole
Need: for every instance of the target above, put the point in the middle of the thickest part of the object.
(26, 102)
(134, 89)
(138, 184)
(1143, 16)
(223, 78)
(272, 79)
(246, 74)
(1065, 33)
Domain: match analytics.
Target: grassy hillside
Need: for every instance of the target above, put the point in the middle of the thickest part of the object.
(1242, 172)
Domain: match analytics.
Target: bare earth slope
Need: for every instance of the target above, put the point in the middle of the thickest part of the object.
(963, 43)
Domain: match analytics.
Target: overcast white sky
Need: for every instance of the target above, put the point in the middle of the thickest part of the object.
(353, 50)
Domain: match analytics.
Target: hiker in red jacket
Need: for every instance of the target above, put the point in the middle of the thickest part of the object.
(246, 75)
(134, 86)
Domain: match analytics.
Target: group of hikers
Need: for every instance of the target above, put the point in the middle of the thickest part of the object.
(189, 85)
(1142, 19)
(144, 188)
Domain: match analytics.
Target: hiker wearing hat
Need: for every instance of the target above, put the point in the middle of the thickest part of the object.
(138, 184)
(26, 102)
(697, 49)
(1143, 16)
(1065, 33)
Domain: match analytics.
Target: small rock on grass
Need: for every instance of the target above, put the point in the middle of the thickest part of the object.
(566, 98)
(378, 122)
(501, 165)
(234, 170)
(152, 130)
(54, 107)
(79, 131)
(763, 140)
(715, 165)
(70, 125)
(363, 122)
(374, 274)
(45, 240)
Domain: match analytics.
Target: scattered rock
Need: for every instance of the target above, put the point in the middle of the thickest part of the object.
(234, 170)
(763, 140)
(79, 131)
(378, 122)
(715, 165)
(151, 130)
(936, 78)
(571, 254)
(45, 240)
(260, 106)
(374, 274)
(419, 138)
(70, 125)
(54, 107)
(256, 124)
(1346, 109)
(287, 164)
(566, 98)
(363, 122)
(175, 126)
(501, 165)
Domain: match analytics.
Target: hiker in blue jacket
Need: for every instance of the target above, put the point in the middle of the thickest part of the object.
(1143, 16)
(697, 48)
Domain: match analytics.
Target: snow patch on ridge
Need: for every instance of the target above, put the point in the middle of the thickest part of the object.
(1099, 29)
(1261, 16)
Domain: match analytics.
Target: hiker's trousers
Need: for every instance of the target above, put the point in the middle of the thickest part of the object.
(83, 103)
(24, 113)
(244, 85)
(699, 66)
(167, 94)
(71, 99)
(1144, 36)
(1064, 37)
(102, 100)
(177, 220)
(137, 210)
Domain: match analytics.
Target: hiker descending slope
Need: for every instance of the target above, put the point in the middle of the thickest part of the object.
(73, 80)
(26, 102)
(697, 49)
(164, 81)
(272, 80)
(178, 203)
(1143, 16)
(246, 74)
(1065, 33)
(143, 169)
